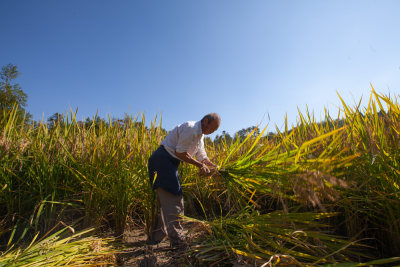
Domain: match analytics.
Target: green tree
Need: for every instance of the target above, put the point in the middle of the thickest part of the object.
(242, 134)
(55, 119)
(225, 137)
(10, 92)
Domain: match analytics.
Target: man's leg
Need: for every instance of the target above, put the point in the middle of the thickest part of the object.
(159, 232)
(171, 207)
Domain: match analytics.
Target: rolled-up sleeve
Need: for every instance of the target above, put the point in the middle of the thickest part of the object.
(201, 152)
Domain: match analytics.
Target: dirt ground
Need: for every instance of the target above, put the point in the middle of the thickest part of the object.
(137, 253)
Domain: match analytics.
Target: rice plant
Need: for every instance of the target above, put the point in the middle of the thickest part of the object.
(347, 167)
(55, 250)
(315, 193)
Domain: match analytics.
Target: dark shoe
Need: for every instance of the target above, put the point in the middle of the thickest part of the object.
(151, 242)
(178, 244)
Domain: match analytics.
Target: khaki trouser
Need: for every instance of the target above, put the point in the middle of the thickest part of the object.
(170, 206)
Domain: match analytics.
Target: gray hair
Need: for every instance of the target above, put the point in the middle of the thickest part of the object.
(212, 117)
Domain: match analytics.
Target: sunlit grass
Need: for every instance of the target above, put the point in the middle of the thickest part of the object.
(55, 250)
(334, 183)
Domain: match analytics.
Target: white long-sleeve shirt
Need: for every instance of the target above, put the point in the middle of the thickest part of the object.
(186, 137)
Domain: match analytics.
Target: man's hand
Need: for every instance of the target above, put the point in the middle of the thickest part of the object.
(204, 166)
(204, 170)
(208, 162)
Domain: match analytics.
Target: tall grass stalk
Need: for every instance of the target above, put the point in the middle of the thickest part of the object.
(347, 165)
(56, 250)
(73, 170)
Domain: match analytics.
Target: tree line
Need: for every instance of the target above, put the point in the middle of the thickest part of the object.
(11, 94)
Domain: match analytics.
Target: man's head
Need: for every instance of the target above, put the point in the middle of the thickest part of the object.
(210, 123)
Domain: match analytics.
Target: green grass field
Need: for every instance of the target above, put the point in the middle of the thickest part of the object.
(317, 193)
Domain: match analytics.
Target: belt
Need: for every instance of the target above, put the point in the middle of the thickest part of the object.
(163, 147)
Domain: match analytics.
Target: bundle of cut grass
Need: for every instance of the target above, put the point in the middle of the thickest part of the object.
(302, 237)
(55, 250)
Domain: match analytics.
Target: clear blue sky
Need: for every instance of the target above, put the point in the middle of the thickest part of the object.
(182, 59)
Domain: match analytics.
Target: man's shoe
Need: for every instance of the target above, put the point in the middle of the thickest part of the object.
(178, 244)
(151, 242)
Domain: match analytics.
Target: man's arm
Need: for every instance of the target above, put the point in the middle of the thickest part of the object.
(202, 156)
(185, 156)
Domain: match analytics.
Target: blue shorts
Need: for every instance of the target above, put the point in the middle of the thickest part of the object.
(166, 167)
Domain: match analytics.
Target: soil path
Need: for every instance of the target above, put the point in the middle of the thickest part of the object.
(137, 253)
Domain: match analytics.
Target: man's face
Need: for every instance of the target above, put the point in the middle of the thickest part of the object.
(209, 128)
